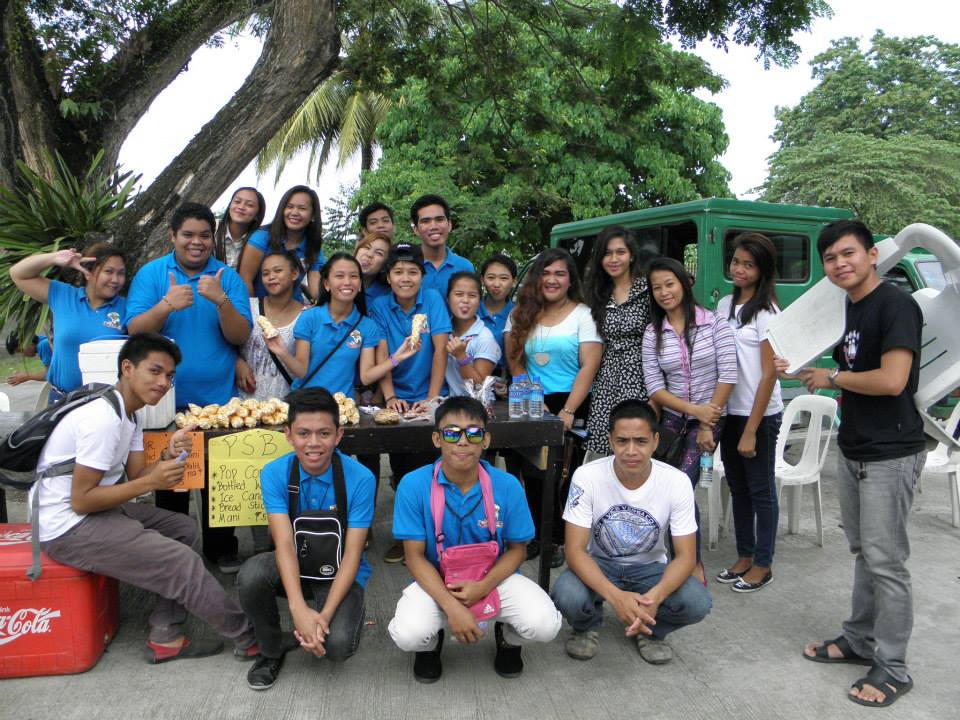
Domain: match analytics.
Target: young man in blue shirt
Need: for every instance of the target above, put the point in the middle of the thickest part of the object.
(430, 220)
(331, 630)
(429, 603)
(200, 303)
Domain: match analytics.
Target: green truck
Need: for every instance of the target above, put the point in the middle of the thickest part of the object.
(701, 234)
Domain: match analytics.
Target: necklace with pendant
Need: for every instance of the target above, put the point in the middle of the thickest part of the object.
(540, 356)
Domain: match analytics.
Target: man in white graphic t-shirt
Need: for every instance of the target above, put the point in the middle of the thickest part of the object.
(618, 511)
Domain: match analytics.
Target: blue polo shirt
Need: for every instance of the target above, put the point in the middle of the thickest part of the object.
(411, 379)
(206, 373)
(413, 520)
(317, 493)
(339, 372)
(261, 241)
(45, 350)
(495, 322)
(78, 323)
(376, 291)
(438, 278)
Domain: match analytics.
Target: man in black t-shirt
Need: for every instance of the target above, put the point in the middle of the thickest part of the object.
(881, 455)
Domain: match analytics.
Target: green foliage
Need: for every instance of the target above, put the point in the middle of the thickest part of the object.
(878, 135)
(888, 183)
(519, 136)
(897, 86)
(339, 223)
(53, 215)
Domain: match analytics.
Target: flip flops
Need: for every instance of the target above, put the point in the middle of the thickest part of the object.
(847, 656)
(883, 681)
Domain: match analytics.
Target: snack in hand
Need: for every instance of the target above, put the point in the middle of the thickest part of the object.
(269, 331)
(419, 325)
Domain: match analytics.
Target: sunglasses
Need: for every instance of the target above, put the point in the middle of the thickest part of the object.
(452, 434)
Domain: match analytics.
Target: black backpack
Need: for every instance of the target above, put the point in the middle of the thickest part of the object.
(20, 451)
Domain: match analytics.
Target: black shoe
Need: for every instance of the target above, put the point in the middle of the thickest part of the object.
(427, 667)
(533, 549)
(264, 672)
(559, 557)
(728, 576)
(742, 586)
(508, 662)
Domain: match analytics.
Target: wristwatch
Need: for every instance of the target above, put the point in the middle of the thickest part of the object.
(832, 377)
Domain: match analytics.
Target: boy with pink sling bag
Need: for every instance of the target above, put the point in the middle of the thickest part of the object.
(464, 525)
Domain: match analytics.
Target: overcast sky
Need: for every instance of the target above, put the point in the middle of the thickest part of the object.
(748, 102)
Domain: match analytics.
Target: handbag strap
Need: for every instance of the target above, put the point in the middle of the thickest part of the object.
(276, 361)
(339, 489)
(438, 504)
(336, 347)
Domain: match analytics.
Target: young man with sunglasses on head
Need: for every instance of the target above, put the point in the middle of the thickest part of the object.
(430, 604)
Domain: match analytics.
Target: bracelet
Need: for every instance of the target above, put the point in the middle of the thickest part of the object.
(392, 397)
(465, 360)
(164, 298)
(393, 361)
(568, 412)
(222, 301)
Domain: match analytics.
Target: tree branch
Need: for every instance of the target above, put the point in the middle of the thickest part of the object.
(300, 51)
(150, 60)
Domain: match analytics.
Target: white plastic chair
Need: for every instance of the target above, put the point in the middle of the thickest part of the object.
(715, 494)
(42, 398)
(4, 402)
(814, 454)
(942, 461)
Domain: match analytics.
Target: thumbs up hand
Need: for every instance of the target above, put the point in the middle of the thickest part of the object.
(178, 296)
(209, 287)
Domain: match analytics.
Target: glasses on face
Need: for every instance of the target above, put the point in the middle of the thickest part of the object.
(474, 434)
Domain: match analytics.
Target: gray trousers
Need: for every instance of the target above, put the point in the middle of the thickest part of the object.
(875, 500)
(156, 550)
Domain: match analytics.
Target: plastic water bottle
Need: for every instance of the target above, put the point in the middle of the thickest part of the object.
(535, 400)
(515, 397)
(706, 470)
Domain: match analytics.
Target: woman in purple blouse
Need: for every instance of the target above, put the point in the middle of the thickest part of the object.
(689, 366)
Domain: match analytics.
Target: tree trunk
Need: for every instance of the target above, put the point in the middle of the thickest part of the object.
(29, 118)
(300, 51)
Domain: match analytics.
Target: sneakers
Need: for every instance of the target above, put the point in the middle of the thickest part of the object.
(190, 649)
(655, 652)
(583, 646)
(229, 564)
(394, 554)
(742, 586)
(264, 672)
(507, 663)
(427, 666)
(728, 576)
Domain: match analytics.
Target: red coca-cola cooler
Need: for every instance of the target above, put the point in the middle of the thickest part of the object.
(56, 625)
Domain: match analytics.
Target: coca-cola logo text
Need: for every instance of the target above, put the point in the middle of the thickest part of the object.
(25, 621)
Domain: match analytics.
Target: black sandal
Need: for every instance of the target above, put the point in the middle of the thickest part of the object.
(847, 655)
(883, 681)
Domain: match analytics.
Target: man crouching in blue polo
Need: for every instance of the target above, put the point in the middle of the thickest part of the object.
(465, 526)
(319, 506)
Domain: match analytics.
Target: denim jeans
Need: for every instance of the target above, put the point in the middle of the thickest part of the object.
(259, 584)
(753, 487)
(583, 608)
(875, 500)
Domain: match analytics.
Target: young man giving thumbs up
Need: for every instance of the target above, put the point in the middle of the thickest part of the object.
(200, 303)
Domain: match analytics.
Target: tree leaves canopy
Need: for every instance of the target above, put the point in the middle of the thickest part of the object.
(519, 135)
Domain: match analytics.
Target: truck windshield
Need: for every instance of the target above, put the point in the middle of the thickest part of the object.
(932, 273)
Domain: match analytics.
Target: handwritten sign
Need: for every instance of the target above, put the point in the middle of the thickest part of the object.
(233, 466)
(155, 442)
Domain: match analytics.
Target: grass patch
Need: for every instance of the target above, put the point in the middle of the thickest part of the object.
(10, 364)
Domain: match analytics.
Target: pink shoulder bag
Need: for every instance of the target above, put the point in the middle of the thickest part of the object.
(468, 563)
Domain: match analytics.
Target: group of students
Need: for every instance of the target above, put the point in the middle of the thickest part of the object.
(705, 377)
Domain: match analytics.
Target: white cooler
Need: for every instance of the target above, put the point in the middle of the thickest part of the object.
(98, 363)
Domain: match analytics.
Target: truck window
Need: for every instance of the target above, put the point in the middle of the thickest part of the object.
(932, 273)
(678, 241)
(898, 277)
(793, 254)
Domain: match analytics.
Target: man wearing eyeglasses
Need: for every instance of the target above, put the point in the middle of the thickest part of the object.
(465, 607)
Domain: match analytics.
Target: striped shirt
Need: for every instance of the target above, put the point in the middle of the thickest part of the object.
(714, 359)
